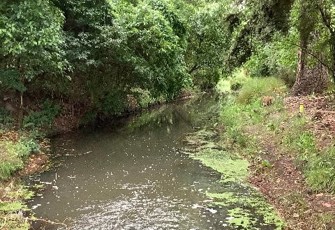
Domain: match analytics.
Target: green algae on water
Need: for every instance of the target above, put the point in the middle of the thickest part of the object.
(246, 208)
(231, 167)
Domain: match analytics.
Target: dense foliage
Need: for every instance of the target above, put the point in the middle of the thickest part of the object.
(105, 55)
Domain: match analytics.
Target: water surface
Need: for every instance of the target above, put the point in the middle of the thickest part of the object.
(132, 176)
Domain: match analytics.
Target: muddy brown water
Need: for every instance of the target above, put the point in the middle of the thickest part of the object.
(131, 176)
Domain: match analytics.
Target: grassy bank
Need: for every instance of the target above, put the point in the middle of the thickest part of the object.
(288, 144)
(20, 153)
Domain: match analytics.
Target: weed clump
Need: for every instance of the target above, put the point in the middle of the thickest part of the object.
(13, 152)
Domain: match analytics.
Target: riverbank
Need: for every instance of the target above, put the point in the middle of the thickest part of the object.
(22, 154)
(26, 152)
(281, 145)
(288, 143)
(292, 160)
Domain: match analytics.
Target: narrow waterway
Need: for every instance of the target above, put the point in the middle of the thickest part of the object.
(132, 176)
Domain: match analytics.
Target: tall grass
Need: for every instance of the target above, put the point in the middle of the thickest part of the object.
(246, 108)
(255, 88)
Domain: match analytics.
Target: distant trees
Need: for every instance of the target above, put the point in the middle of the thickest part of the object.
(291, 38)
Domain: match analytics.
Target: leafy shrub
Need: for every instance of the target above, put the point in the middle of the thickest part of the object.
(205, 80)
(113, 102)
(45, 117)
(8, 164)
(233, 82)
(258, 65)
(12, 154)
(287, 76)
(275, 58)
(23, 147)
(255, 88)
(143, 97)
(5, 118)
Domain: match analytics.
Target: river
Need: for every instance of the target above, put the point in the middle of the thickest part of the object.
(131, 175)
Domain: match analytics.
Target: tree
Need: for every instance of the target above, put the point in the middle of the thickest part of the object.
(207, 44)
(309, 78)
(326, 9)
(31, 43)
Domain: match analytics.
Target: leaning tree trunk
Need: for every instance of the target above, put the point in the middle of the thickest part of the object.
(309, 80)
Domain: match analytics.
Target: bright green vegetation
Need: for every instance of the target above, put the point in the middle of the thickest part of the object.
(102, 59)
(15, 148)
(246, 126)
(14, 152)
(232, 168)
(235, 169)
(317, 164)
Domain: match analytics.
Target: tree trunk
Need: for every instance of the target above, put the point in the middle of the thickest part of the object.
(298, 87)
(21, 111)
(332, 38)
(309, 79)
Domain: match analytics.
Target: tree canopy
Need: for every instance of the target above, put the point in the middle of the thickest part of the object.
(101, 52)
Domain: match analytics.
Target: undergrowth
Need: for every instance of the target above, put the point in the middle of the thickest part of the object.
(255, 88)
(15, 148)
(245, 111)
(13, 153)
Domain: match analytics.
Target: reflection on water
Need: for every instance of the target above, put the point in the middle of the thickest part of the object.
(131, 177)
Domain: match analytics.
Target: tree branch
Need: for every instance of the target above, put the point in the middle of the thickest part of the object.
(318, 59)
(194, 68)
(326, 20)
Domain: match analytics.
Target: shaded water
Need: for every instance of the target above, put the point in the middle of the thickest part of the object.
(131, 177)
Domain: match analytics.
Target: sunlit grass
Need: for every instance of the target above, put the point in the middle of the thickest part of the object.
(255, 88)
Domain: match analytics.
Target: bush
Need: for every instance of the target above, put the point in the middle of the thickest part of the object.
(287, 76)
(233, 82)
(5, 118)
(45, 117)
(8, 164)
(255, 88)
(13, 154)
